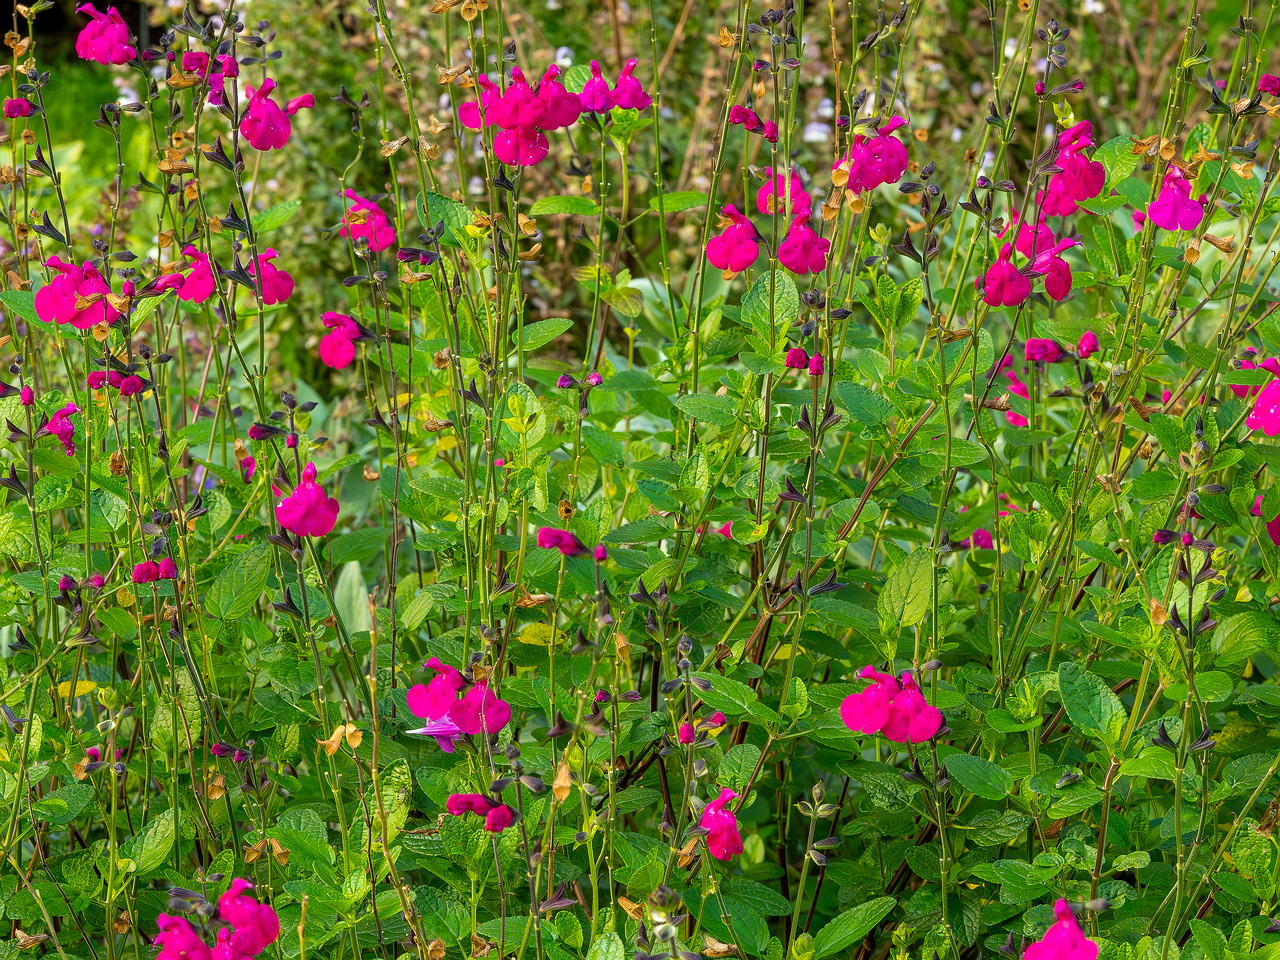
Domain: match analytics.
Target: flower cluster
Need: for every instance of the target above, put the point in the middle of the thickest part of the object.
(266, 125)
(497, 816)
(872, 162)
(366, 220)
(106, 39)
(308, 511)
(252, 927)
(898, 710)
(480, 710)
(149, 571)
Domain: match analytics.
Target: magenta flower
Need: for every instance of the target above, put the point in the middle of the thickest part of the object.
(1269, 85)
(1046, 350)
(873, 162)
(265, 124)
(686, 733)
(1271, 364)
(553, 538)
(27, 397)
(56, 300)
(725, 531)
(520, 105)
(247, 467)
(19, 107)
(521, 146)
(178, 940)
(480, 710)
(499, 818)
(96, 380)
(628, 92)
(195, 61)
(770, 132)
(198, 286)
(463, 803)
(475, 113)
(445, 731)
(778, 190)
(594, 379)
(563, 107)
(983, 540)
(596, 95)
(255, 924)
(1088, 345)
(148, 571)
(1174, 209)
(600, 553)
(376, 228)
(1003, 285)
(911, 719)
(815, 365)
(105, 39)
(308, 512)
(277, 285)
(1028, 240)
(337, 347)
(745, 117)
(432, 700)
(868, 711)
(60, 426)
(803, 251)
(168, 570)
(1080, 178)
(722, 826)
(1265, 415)
(1064, 940)
(797, 358)
(131, 386)
(734, 248)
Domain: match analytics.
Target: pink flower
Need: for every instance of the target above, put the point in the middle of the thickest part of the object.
(337, 347)
(463, 803)
(734, 248)
(1269, 85)
(277, 285)
(596, 95)
(803, 251)
(868, 711)
(265, 125)
(725, 531)
(1273, 525)
(722, 826)
(770, 132)
(376, 228)
(553, 538)
(873, 162)
(1064, 940)
(304, 102)
(198, 285)
(446, 732)
(480, 710)
(1174, 209)
(1004, 286)
(96, 380)
(1080, 178)
(148, 571)
(983, 540)
(499, 818)
(60, 426)
(27, 397)
(1046, 350)
(744, 116)
(600, 553)
(308, 512)
(195, 61)
(686, 733)
(815, 365)
(778, 190)
(628, 93)
(1017, 388)
(797, 358)
(520, 105)
(105, 39)
(1139, 218)
(432, 700)
(1265, 415)
(911, 719)
(247, 467)
(1029, 240)
(168, 569)
(255, 924)
(563, 107)
(1271, 364)
(56, 300)
(19, 107)
(1088, 345)
(470, 113)
(178, 940)
(131, 386)
(521, 146)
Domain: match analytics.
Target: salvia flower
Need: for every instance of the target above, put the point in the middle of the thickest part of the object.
(61, 426)
(596, 94)
(105, 39)
(797, 358)
(432, 700)
(1003, 285)
(563, 107)
(734, 249)
(1270, 85)
(911, 718)
(277, 285)
(553, 538)
(266, 124)
(873, 162)
(1064, 940)
(815, 365)
(56, 301)
(178, 940)
(167, 569)
(255, 924)
(1079, 178)
(781, 193)
(1265, 415)
(1088, 345)
(1271, 365)
(366, 219)
(148, 571)
(721, 825)
(308, 512)
(803, 251)
(446, 733)
(497, 816)
(1056, 270)
(1046, 350)
(480, 711)
(1174, 209)
(1028, 240)
(337, 347)
(628, 92)
(17, 108)
(868, 711)
(198, 285)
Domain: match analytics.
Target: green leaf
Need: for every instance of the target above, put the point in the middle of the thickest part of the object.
(709, 407)
(535, 335)
(980, 776)
(772, 302)
(434, 208)
(239, 585)
(276, 216)
(1091, 705)
(1118, 159)
(904, 601)
(582, 206)
(851, 926)
(677, 201)
(608, 946)
(147, 850)
(864, 404)
(21, 302)
(738, 765)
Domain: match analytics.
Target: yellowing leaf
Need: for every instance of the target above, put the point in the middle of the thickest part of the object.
(82, 687)
(539, 634)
